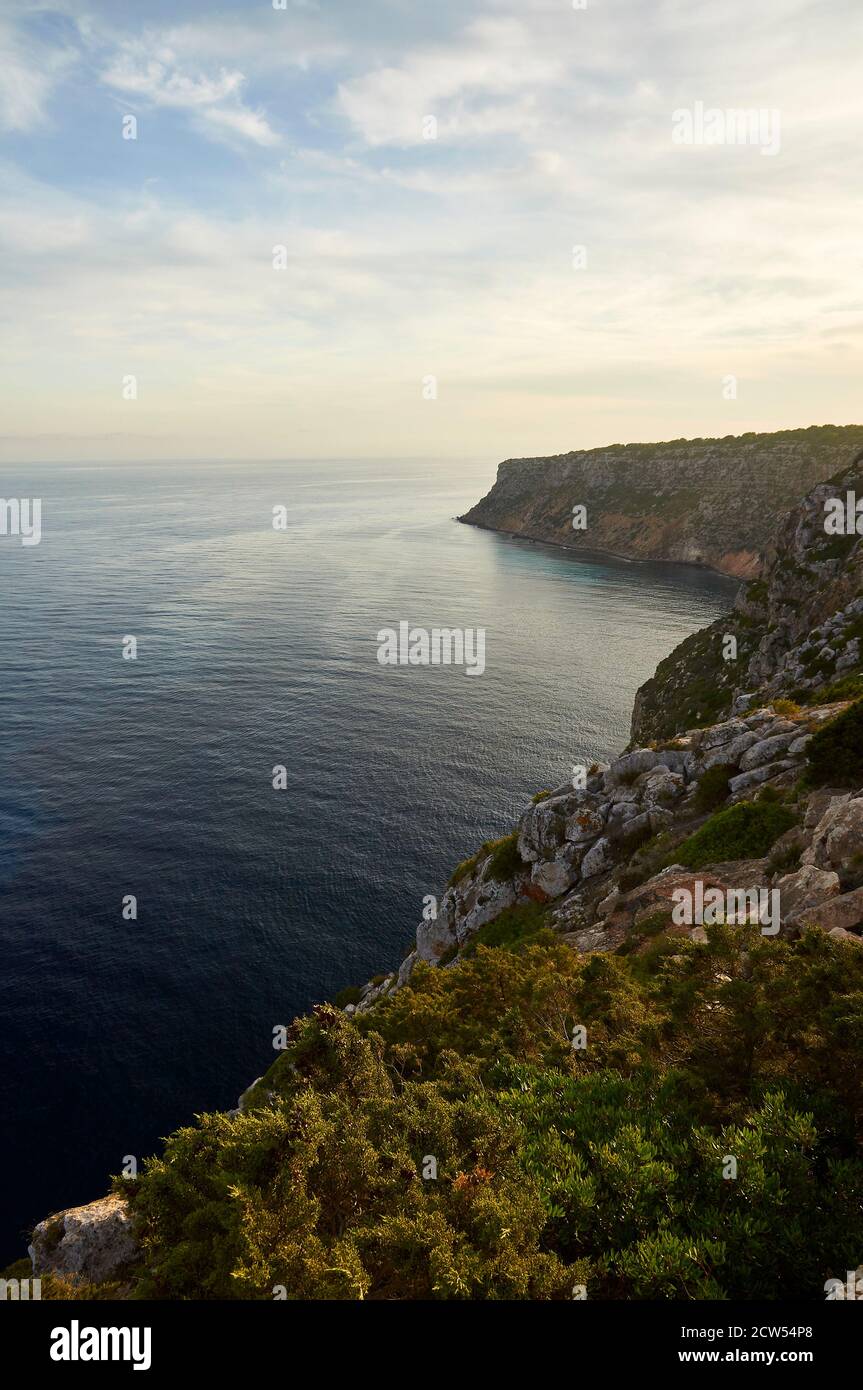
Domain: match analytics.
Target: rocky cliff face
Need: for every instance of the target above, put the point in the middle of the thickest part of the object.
(793, 633)
(726, 722)
(715, 502)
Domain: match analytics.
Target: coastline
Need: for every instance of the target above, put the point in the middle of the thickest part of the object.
(597, 553)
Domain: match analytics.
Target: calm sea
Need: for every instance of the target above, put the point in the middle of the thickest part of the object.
(153, 777)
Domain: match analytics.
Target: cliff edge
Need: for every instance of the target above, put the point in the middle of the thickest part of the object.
(713, 502)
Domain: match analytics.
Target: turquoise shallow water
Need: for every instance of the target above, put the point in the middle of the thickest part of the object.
(255, 648)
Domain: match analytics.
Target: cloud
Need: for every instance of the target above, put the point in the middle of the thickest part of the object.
(213, 100)
(251, 125)
(29, 71)
(481, 83)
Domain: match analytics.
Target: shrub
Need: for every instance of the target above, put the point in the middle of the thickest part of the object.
(506, 861)
(712, 788)
(784, 861)
(540, 796)
(835, 753)
(848, 688)
(602, 1166)
(787, 708)
(349, 995)
(516, 926)
(745, 831)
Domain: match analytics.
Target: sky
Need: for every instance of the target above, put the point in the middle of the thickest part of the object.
(392, 228)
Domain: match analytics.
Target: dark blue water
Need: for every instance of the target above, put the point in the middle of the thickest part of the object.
(154, 777)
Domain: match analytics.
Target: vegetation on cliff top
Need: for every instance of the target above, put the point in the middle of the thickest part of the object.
(553, 1166)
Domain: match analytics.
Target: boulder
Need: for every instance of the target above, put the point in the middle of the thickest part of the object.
(597, 859)
(94, 1242)
(434, 939)
(767, 750)
(845, 911)
(744, 780)
(540, 830)
(597, 938)
(406, 968)
(805, 888)
(730, 752)
(585, 824)
(838, 835)
(555, 877)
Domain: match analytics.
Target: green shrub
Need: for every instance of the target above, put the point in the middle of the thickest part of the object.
(602, 1166)
(520, 925)
(349, 995)
(835, 753)
(745, 831)
(712, 788)
(784, 861)
(506, 862)
(848, 688)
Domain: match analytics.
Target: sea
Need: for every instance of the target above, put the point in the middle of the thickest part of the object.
(163, 905)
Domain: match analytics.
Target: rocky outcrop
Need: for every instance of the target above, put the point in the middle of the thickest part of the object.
(94, 1242)
(714, 502)
(578, 847)
(794, 632)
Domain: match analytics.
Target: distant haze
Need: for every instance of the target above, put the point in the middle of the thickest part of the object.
(466, 228)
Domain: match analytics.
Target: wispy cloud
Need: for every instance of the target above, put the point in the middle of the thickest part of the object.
(146, 70)
(29, 71)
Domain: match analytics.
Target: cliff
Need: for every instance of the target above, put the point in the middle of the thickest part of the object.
(794, 633)
(714, 502)
(658, 973)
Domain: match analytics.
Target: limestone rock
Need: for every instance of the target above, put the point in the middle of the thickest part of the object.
(597, 859)
(845, 911)
(95, 1242)
(806, 888)
(838, 836)
(555, 877)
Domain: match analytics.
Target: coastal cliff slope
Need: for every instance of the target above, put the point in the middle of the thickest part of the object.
(582, 1081)
(792, 633)
(714, 502)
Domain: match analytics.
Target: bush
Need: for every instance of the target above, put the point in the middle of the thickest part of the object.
(835, 753)
(602, 1166)
(349, 995)
(848, 688)
(712, 788)
(506, 862)
(516, 926)
(746, 831)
